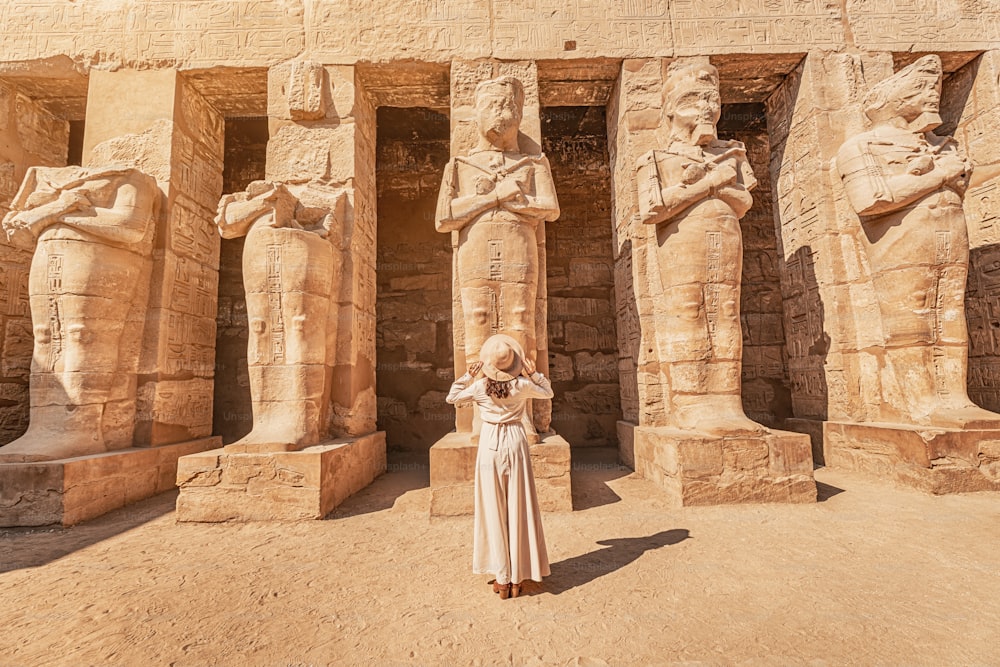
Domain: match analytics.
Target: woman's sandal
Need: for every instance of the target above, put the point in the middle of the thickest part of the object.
(515, 590)
(502, 589)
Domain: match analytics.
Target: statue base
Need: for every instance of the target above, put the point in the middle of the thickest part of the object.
(453, 474)
(68, 491)
(936, 460)
(701, 469)
(304, 485)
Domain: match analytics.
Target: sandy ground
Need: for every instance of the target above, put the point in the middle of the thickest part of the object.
(872, 575)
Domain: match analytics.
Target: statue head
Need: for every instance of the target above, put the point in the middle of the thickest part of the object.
(691, 101)
(912, 95)
(499, 106)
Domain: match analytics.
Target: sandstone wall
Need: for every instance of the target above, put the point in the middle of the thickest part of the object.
(583, 354)
(413, 334)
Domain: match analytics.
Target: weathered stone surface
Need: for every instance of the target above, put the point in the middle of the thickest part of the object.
(935, 460)
(875, 255)
(258, 34)
(302, 485)
(707, 470)
(76, 489)
(85, 286)
(453, 467)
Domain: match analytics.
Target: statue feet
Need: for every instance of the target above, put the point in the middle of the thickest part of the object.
(962, 415)
(274, 437)
(38, 445)
(718, 416)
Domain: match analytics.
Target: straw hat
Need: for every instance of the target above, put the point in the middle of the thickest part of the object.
(501, 356)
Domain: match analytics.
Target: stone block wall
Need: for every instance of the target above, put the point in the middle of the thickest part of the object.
(30, 136)
(413, 335)
(583, 358)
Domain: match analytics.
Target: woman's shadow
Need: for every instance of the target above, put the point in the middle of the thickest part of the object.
(617, 553)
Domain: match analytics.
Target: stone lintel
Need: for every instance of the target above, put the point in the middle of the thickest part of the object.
(69, 491)
(453, 471)
(935, 460)
(218, 486)
(701, 469)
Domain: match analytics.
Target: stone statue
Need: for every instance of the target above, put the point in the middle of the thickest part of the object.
(906, 185)
(495, 197)
(92, 233)
(695, 192)
(289, 273)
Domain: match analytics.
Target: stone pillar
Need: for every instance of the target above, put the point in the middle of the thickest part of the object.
(321, 156)
(847, 394)
(452, 459)
(158, 120)
(697, 464)
(971, 111)
(29, 136)
(153, 122)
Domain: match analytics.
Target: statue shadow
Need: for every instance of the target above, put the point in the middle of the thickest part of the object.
(591, 470)
(826, 491)
(30, 547)
(616, 554)
(406, 472)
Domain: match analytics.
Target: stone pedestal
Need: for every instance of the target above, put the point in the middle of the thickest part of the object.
(220, 485)
(936, 460)
(69, 491)
(453, 472)
(700, 469)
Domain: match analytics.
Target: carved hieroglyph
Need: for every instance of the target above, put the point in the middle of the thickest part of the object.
(289, 265)
(495, 197)
(92, 233)
(907, 184)
(695, 191)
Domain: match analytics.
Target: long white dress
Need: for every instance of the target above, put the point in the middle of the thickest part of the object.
(507, 535)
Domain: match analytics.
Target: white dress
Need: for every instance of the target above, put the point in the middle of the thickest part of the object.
(507, 534)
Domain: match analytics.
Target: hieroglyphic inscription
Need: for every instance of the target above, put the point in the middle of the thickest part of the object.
(982, 303)
(274, 293)
(755, 23)
(982, 213)
(531, 26)
(950, 23)
(193, 31)
(353, 27)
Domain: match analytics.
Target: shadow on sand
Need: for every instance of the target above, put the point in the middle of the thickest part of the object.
(616, 554)
(405, 472)
(33, 547)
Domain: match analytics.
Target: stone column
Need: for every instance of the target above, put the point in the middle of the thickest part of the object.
(157, 120)
(148, 127)
(29, 136)
(452, 458)
(850, 393)
(695, 460)
(314, 441)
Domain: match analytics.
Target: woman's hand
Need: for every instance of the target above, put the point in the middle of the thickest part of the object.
(527, 368)
(474, 369)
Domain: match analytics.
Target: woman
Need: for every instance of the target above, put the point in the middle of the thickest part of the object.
(508, 539)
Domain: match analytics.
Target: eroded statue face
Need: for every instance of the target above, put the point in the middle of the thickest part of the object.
(922, 98)
(497, 115)
(696, 113)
